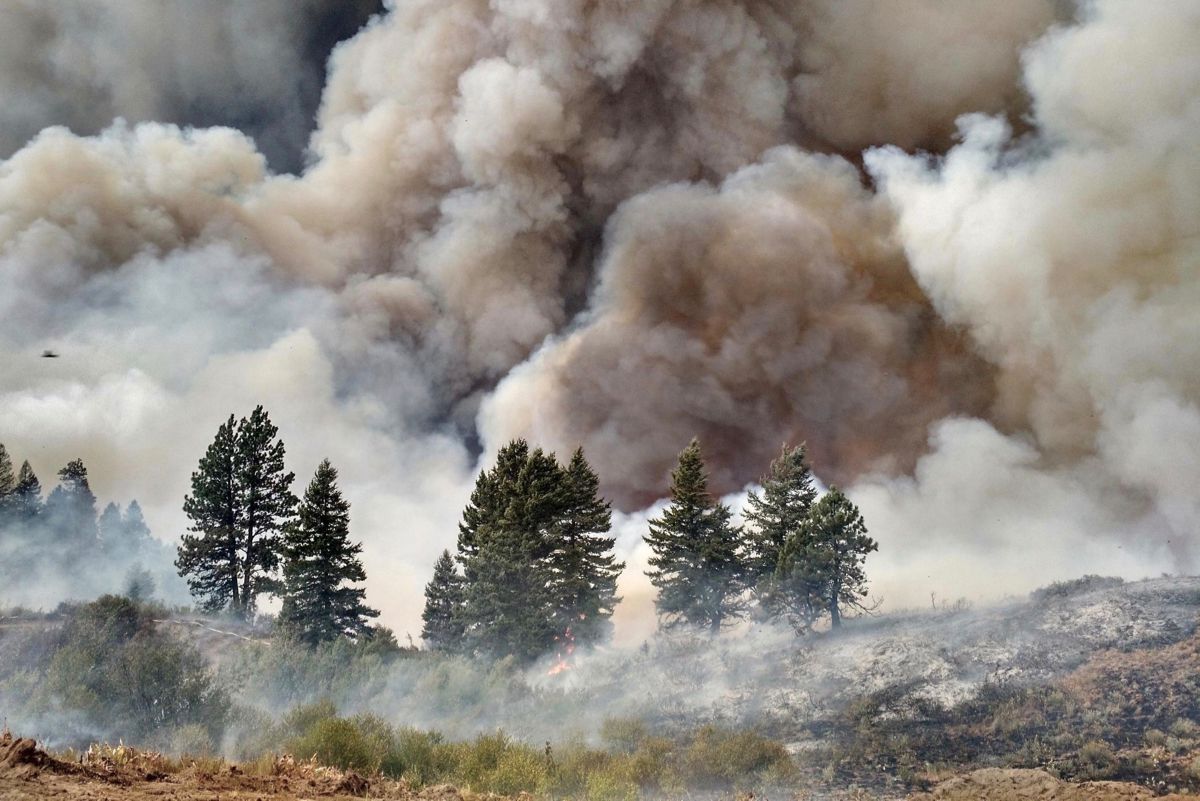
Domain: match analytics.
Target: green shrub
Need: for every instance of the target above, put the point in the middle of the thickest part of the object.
(1185, 729)
(343, 743)
(1155, 738)
(252, 733)
(302, 718)
(611, 783)
(125, 676)
(653, 767)
(494, 763)
(422, 757)
(623, 735)
(192, 740)
(727, 759)
(1096, 761)
(571, 766)
(519, 770)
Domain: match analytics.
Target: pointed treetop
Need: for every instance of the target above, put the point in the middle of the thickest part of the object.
(28, 485)
(8, 478)
(74, 476)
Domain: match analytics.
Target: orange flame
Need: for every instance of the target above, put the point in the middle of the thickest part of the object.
(563, 662)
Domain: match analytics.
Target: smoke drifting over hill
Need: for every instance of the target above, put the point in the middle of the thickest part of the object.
(622, 226)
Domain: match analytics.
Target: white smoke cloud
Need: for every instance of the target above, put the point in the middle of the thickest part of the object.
(1068, 257)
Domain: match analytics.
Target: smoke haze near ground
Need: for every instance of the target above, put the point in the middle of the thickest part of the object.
(621, 227)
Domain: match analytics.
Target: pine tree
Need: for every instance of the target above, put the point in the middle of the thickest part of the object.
(824, 559)
(137, 533)
(210, 558)
(506, 542)
(584, 570)
(490, 498)
(798, 589)
(696, 566)
(775, 516)
(111, 530)
(139, 583)
(26, 498)
(8, 479)
(266, 502)
(124, 536)
(8, 487)
(443, 629)
(240, 503)
(319, 562)
(71, 509)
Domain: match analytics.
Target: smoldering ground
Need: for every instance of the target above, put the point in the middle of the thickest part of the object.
(624, 225)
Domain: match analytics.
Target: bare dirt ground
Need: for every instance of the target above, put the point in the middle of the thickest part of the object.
(994, 784)
(28, 773)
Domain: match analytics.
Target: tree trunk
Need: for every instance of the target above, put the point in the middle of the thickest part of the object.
(835, 614)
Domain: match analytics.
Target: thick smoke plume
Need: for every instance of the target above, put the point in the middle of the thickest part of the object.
(251, 64)
(621, 226)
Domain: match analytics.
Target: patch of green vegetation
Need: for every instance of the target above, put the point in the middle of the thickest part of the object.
(111, 669)
(708, 759)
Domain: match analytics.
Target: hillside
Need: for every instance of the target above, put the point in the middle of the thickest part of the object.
(1091, 680)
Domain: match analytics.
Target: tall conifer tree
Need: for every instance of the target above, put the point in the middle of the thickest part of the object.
(697, 565)
(827, 554)
(490, 498)
(71, 509)
(443, 613)
(137, 533)
(210, 558)
(584, 570)
(266, 502)
(319, 564)
(508, 607)
(111, 530)
(240, 502)
(8, 477)
(8, 487)
(774, 516)
(27, 496)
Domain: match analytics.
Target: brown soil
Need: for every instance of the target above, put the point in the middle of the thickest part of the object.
(28, 773)
(995, 784)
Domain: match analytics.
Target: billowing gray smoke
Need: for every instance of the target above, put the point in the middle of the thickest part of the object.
(625, 224)
(256, 65)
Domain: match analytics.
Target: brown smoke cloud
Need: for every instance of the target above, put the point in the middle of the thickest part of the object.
(775, 308)
(901, 72)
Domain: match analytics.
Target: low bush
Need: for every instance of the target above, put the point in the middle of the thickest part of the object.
(635, 763)
(728, 759)
(1067, 589)
(1096, 761)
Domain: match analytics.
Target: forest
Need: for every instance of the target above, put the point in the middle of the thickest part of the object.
(534, 570)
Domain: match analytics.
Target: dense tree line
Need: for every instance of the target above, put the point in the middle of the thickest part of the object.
(537, 564)
(796, 557)
(250, 536)
(58, 546)
(534, 565)
(534, 569)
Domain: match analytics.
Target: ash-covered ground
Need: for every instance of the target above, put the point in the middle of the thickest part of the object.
(768, 676)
